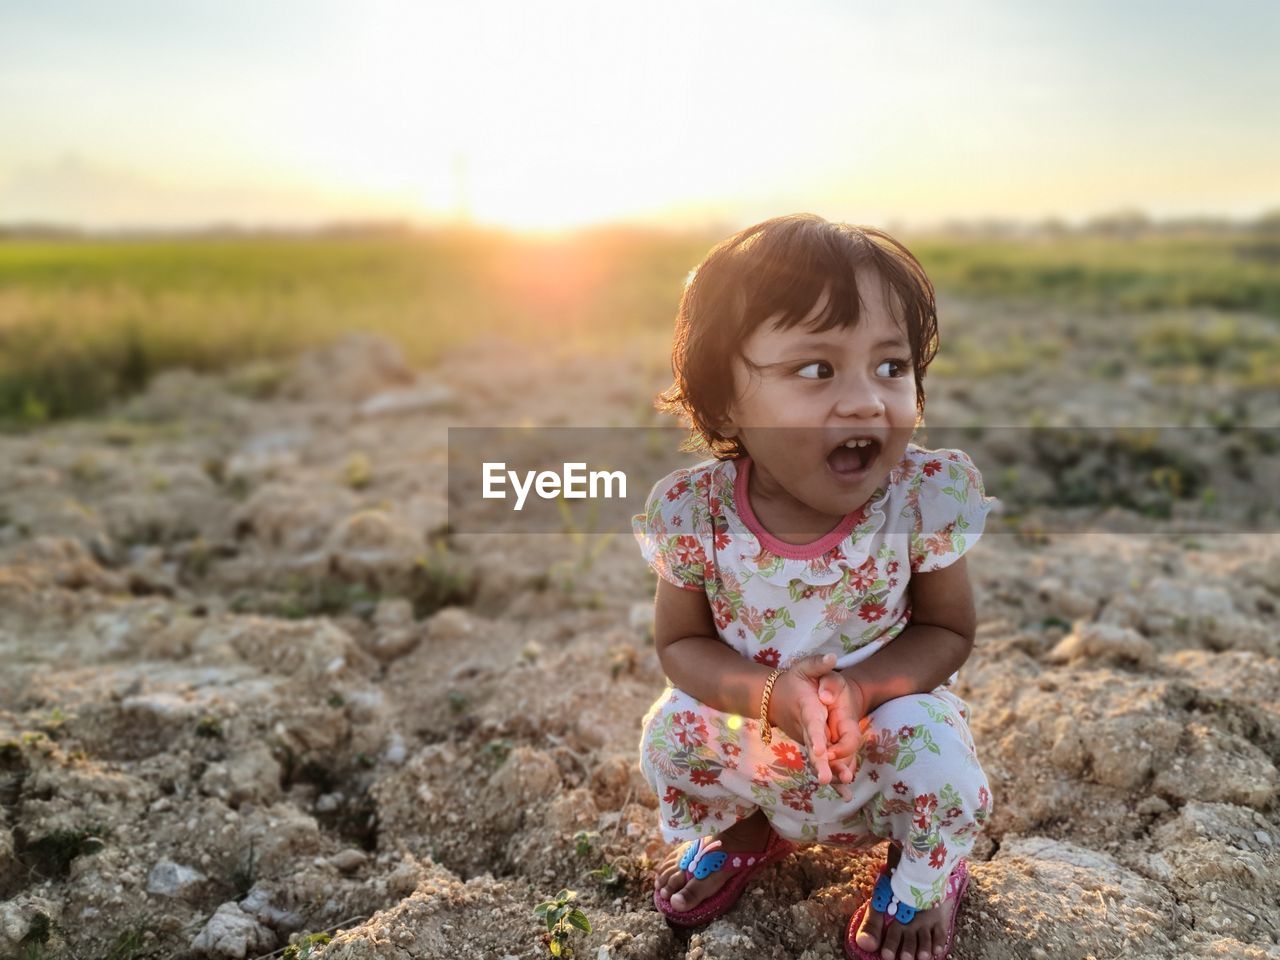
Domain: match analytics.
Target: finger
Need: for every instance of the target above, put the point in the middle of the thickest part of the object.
(841, 776)
(820, 765)
(847, 738)
(814, 665)
(839, 742)
(817, 738)
(843, 788)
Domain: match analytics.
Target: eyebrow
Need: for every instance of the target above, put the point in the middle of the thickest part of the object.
(894, 343)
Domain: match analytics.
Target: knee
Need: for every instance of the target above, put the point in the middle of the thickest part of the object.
(922, 735)
(917, 712)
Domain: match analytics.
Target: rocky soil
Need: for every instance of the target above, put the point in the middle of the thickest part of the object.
(254, 688)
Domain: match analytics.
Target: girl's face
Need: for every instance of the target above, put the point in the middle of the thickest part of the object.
(815, 392)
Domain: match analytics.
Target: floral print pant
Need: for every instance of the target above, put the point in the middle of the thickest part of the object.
(918, 781)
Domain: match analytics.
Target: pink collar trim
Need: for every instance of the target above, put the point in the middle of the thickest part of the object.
(792, 551)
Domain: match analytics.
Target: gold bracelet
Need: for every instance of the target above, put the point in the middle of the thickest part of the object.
(766, 732)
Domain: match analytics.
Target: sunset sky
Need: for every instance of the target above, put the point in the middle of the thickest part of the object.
(556, 114)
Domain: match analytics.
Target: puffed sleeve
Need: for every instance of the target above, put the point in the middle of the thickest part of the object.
(951, 509)
(668, 532)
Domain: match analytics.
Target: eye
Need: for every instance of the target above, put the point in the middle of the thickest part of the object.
(809, 366)
(903, 365)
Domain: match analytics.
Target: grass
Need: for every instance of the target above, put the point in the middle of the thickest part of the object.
(1229, 271)
(86, 321)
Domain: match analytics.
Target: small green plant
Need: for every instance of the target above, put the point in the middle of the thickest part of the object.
(336, 700)
(325, 597)
(128, 945)
(209, 727)
(497, 750)
(610, 877)
(55, 725)
(305, 946)
(357, 472)
(457, 701)
(561, 916)
(582, 842)
(440, 579)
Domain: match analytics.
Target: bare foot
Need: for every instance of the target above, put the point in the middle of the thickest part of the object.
(924, 938)
(686, 891)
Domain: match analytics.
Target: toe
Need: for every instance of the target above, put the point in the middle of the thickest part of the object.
(939, 943)
(892, 937)
(675, 883)
(868, 935)
(924, 944)
(687, 897)
(907, 948)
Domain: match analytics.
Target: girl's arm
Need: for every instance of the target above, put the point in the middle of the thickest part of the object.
(934, 644)
(697, 661)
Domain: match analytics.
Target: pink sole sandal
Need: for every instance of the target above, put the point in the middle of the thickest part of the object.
(883, 901)
(704, 858)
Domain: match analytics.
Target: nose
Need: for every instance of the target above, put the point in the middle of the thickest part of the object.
(859, 399)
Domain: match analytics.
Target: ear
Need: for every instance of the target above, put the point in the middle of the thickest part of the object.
(725, 426)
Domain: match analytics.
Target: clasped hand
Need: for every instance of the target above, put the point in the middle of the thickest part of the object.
(813, 704)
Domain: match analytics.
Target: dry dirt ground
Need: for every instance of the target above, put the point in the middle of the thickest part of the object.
(252, 688)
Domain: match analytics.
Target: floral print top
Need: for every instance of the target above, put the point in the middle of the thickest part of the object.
(845, 593)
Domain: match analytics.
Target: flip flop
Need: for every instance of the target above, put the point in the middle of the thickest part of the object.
(882, 900)
(704, 858)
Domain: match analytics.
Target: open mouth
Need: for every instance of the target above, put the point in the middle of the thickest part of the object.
(854, 456)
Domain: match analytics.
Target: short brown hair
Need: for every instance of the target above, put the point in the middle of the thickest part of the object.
(781, 266)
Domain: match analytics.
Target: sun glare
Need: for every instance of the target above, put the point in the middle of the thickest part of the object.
(457, 115)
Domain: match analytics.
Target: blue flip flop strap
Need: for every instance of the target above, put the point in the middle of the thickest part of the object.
(702, 864)
(882, 899)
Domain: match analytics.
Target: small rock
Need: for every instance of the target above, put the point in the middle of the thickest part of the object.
(1103, 642)
(399, 402)
(349, 861)
(451, 623)
(1153, 806)
(233, 934)
(396, 751)
(388, 645)
(169, 879)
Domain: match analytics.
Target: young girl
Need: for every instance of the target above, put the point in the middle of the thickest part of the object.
(813, 601)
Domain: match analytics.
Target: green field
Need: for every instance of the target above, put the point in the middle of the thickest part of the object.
(83, 321)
